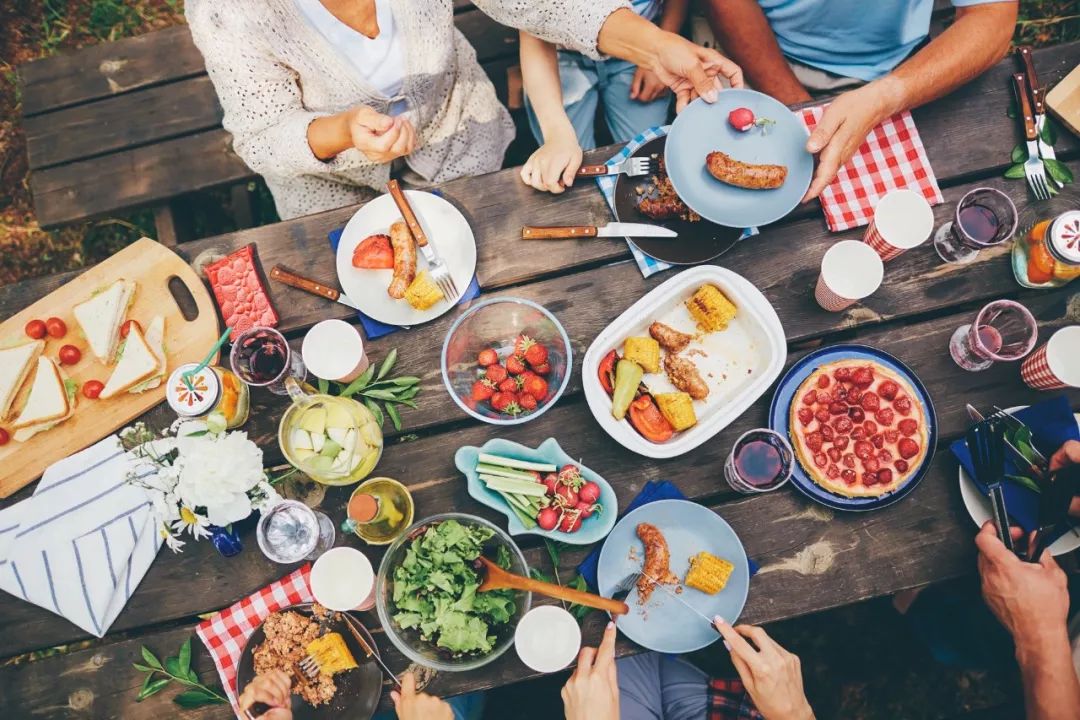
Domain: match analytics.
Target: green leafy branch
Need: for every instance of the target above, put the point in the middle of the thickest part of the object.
(175, 669)
(554, 550)
(375, 388)
(1056, 169)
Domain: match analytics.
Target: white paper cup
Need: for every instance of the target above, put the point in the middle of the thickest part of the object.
(342, 579)
(547, 638)
(334, 350)
(902, 220)
(850, 271)
(1055, 365)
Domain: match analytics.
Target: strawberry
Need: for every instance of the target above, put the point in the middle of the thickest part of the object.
(535, 386)
(823, 381)
(505, 402)
(487, 357)
(495, 373)
(527, 401)
(515, 365)
(482, 390)
(863, 377)
(908, 448)
(522, 344)
(509, 385)
(542, 368)
(888, 390)
(536, 354)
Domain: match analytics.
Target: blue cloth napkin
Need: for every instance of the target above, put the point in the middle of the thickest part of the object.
(375, 329)
(647, 264)
(654, 490)
(1052, 423)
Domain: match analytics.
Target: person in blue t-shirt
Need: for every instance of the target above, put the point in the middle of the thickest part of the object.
(788, 48)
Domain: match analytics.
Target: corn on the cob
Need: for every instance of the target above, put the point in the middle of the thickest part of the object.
(678, 409)
(711, 308)
(644, 351)
(708, 573)
(422, 293)
(331, 653)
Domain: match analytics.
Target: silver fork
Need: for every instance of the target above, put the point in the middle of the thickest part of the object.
(1034, 170)
(440, 274)
(631, 167)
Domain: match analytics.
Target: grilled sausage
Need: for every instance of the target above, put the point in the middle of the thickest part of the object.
(669, 338)
(684, 375)
(728, 170)
(657, 561)
(401, 240)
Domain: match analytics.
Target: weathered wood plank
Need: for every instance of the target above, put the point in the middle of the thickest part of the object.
(426, 465)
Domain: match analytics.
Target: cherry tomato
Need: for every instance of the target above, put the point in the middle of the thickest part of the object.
(4, 437)
(69, 355)
(57, 328)
(126, 327)
(92, 388)
(36, 329)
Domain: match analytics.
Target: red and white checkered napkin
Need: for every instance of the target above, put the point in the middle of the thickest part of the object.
(892, 157)
(226, 633)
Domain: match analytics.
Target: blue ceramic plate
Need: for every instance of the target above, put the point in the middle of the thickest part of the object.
(702, 128)
(592, 530)
(664, 625)
(779, 413)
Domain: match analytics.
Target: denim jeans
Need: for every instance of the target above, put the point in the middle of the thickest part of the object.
(585, 83)
(661, 687)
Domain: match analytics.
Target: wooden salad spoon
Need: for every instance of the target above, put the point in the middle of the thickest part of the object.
(495, 578)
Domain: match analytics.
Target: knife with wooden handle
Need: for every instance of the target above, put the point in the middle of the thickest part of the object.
(287, 277)
(407, 214)
(612, 229)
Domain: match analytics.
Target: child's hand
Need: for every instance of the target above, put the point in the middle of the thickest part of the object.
(646, 87)
(553, 166)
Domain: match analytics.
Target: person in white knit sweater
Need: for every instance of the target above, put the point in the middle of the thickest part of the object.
(327, 99)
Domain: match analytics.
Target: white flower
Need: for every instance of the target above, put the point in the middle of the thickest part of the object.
(175, 544)
(264, 497)
(216, 472)
(192, 522)
(165, 506)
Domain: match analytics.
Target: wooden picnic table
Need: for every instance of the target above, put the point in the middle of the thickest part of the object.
(811, 558)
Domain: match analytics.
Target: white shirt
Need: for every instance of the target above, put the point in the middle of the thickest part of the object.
(379, 60)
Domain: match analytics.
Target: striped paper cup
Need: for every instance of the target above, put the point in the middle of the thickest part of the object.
(1054, 366)
(902, 220)
(850, 271)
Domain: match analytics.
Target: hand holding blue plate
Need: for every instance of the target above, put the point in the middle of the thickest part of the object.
(703, 128)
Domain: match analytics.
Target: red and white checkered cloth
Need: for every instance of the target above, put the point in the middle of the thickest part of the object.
(226, 633)
(892, 157)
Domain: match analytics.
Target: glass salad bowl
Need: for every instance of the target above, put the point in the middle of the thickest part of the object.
(402, 607)
(497, 323)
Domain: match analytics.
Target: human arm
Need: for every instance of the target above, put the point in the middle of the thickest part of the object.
(743, 31)
(553, 165)
(412, 705)
(271, 689)
(1032, 601)
(1067, 454)
(977, 39)
(592, 692)
(771, 674)
(646, 86)
(379, 137)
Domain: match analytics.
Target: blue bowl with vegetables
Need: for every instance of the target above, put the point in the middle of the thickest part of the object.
(542, 491)
(426, 593)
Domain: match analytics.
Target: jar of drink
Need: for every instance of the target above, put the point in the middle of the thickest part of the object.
(1049, 255)
(211, 389)
(379, 510)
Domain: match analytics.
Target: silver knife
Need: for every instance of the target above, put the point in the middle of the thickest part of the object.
(314, 287)
(673, 594)
(614, 229)
(1038, 102)
(1018, 457)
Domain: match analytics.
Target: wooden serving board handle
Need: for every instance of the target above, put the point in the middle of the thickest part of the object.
(302, 283)
(407, 213)
(530, 232)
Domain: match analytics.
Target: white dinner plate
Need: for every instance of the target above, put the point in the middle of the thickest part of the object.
(978, 507)
(448, 232)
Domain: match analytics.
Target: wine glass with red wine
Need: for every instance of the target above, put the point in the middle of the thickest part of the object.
(984, 217)
(1003, 331)
(261, 357)
(761, 460)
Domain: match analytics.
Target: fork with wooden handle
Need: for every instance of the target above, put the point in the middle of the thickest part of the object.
(440, 274)
(495, 578)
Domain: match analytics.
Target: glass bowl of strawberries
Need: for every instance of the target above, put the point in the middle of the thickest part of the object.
(506, 360)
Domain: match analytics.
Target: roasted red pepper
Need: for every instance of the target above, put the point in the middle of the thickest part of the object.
(647, 420)
(606, 372)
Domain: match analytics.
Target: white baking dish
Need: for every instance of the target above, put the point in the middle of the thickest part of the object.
(738, 363)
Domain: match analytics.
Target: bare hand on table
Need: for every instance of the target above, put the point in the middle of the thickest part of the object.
(411, 705)
(270, 689)
(646, 86)
(553, 166)
(592, 692)
(771, 674)
(379, 137)
(1066, 455)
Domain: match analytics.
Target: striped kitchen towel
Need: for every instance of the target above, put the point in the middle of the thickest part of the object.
(81, 544)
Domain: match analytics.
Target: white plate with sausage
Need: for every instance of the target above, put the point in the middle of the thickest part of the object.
(449, 234)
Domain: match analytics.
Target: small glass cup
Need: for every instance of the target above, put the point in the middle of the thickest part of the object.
(1003, 331)
(761, 460)
(984, 217)
(291, 531)
(261, 357)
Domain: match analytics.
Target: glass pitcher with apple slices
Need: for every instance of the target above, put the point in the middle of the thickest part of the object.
(334, 440)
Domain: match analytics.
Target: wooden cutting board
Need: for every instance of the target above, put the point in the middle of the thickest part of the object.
(1064, 100)
(154, 267)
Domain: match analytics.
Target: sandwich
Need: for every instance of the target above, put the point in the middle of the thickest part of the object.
(137, 364)
(16, 364)
(155, 338)
(101, 316)
(51, 401)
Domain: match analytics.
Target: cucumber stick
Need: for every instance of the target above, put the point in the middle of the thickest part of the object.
(485, 469)
(518, 487)
(522, 515)
(515, 464)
